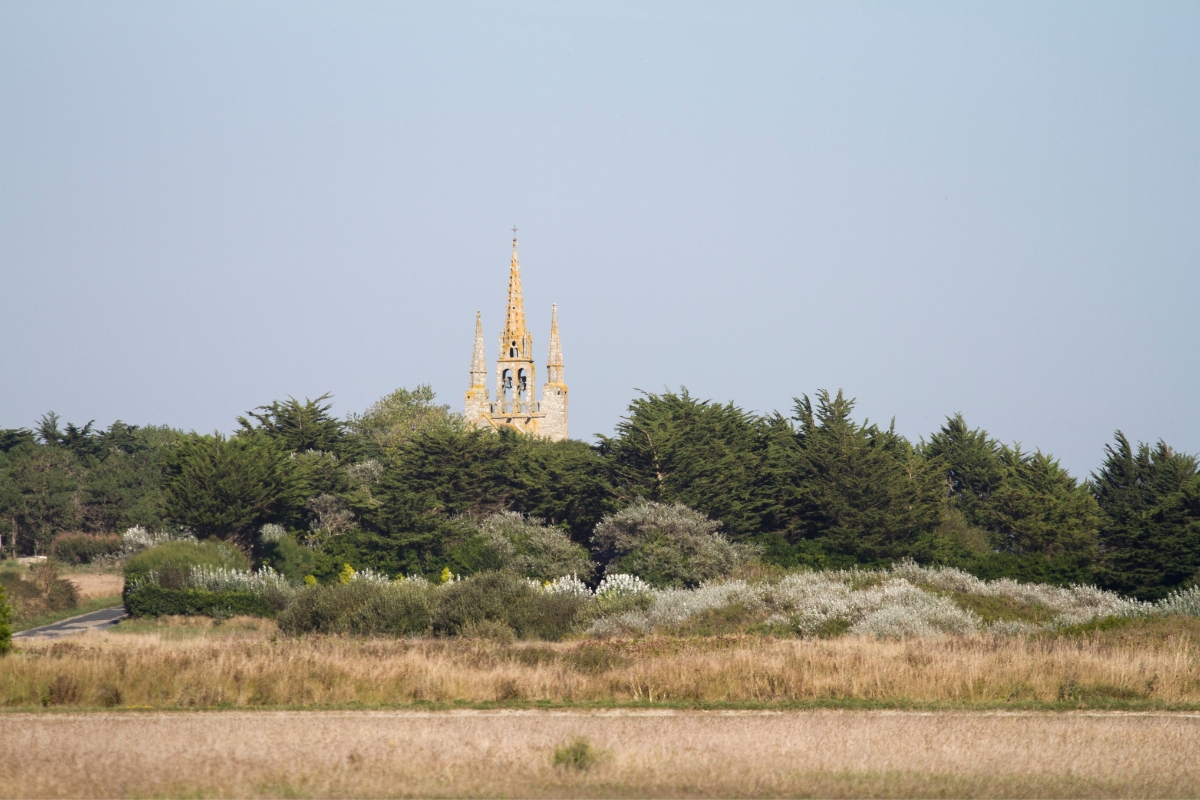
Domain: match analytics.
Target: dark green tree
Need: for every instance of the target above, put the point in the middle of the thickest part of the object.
(854, 490)
(970, 462)
(229, 488)
(1150, 528)
(300, 427)
(1039, 509)
(672, 448)
(13, 437)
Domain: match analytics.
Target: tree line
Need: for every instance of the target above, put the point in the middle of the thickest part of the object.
(395, 488)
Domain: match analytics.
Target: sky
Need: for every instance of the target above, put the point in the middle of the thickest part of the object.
(985, 208)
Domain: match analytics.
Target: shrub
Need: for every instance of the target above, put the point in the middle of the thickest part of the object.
(42, 593)
(59, 594)
(578, 755)
(5, 623)
(364, 607)
(666, 545)
(151, 600)
(288, 557)
(137, 538)
(84, 548)
(172, 562)
(509, 599)
(531, 548)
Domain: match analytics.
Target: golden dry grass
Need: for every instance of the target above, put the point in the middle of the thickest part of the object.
(97, 584)
(648, 754)
(189, 663)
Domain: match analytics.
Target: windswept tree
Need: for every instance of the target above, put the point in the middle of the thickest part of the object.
(231, 487)
(970, 462)
(854, 490)
(1150, 529)
(300, 427)
(1039, 509)
(673, 448)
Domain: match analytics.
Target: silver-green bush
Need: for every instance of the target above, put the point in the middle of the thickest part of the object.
(529, 547)
(666, 545)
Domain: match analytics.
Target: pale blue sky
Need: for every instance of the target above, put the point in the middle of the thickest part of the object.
(991, 208)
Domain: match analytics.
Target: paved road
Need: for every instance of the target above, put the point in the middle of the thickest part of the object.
(104, 618)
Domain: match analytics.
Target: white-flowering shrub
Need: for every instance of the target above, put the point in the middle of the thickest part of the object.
(666, 545)
(568, 584)
(219, 579)
(905, 600)
(370, 576)
(896, 608)
(271, 533)
(620, 585)
(1184, 601)
(1071, 605)
(137, 538)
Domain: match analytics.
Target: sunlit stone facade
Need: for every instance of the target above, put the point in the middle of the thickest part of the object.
(516, 404)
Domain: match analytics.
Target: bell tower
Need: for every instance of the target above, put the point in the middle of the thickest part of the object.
(516, 404)
(516, 380)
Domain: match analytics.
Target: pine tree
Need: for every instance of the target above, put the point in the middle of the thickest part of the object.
(672, 448)
(1150, 533)
(856, 489)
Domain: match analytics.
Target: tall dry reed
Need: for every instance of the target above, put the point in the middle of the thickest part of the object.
(247, 664)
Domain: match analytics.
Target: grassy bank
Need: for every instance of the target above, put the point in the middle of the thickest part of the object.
(192, 663)
(602, 754)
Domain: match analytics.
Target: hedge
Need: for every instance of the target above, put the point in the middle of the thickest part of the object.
(154, 601)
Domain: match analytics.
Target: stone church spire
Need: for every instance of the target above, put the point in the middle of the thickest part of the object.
(554, 395)
(516, 405)
(514, 321)
(554, 363)
(516, 378)
(477, 405)
(478, 358)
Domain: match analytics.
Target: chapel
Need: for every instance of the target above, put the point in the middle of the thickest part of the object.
(516, 404)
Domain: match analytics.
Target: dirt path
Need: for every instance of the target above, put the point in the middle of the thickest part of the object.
(658, 753)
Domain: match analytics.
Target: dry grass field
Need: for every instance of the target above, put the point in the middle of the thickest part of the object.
(97, 584)
(190, 663)
(636, 753)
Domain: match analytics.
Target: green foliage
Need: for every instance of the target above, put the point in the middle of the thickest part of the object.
(84, 548)
(508, 599)
(81, 479)
(578, 755)
(299, 427)
(525, 545)
(6, 616)
(290, 559)
(969, 460)
(152, 600)
(393, 421)
(13, 437)
(403, 534)
(665, 545)
(173, 561)
(1039, 509)
(673, 448)
(855, 490)
(365, 608)
(43, 593)
(1150, 531)
(229, 488)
